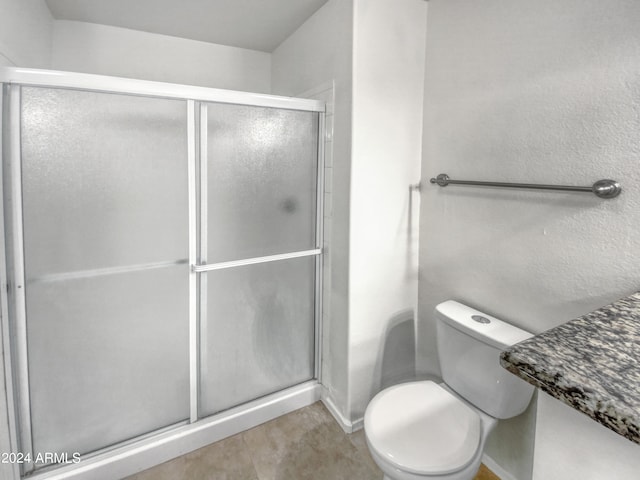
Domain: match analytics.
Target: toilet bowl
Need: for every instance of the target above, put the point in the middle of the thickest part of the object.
(422, 430)
(429, 431)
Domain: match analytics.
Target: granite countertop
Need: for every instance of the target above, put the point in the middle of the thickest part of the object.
(591, 363)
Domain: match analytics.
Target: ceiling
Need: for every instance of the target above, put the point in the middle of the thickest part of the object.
(255, 24)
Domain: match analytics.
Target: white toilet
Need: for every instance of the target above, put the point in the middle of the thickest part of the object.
(429, 431)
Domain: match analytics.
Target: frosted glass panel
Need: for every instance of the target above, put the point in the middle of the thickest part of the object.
(262, 167)
(108, 358)
(258, 334)
(106, 241)
(104, 180)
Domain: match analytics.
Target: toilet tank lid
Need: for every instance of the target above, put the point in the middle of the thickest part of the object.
(495, 332)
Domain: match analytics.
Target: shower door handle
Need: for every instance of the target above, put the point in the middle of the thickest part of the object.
(207, 267)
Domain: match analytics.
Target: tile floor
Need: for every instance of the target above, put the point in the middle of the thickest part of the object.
(304, 445)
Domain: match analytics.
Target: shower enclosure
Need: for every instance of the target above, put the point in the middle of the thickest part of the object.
(163, 265)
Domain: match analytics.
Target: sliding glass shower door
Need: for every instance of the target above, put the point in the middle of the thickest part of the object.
(163, 260)
(105, 201)
(258, 187)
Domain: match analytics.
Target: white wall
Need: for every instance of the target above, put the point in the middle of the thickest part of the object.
(388, 75)
(318, 53)
(25, 34)
(100, 49)
(377, 142)
(29, 37)
(541, 92)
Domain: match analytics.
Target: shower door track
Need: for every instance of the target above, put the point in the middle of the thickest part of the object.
(138, 454)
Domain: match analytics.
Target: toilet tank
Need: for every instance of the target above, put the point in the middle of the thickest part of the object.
(469, 346)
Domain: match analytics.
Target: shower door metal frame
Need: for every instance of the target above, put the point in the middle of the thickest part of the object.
(199, 432)
(16, 300)
(5, 327)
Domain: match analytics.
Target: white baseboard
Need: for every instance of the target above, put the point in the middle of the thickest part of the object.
(357, 424)
(347, 425)
(497, 469)
(328, 402)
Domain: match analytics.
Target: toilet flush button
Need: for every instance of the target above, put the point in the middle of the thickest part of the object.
(480, 319)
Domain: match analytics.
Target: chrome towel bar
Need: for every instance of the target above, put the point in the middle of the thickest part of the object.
(602, 188)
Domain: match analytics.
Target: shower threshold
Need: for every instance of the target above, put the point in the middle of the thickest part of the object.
(153, 450)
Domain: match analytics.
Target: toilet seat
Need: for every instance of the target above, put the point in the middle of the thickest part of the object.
(422, 428)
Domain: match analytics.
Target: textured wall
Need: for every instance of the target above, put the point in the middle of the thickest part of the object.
(388, 75)
(25, 34)
(101, 49)
(319, 53)
(377, 144)
(540, 92)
